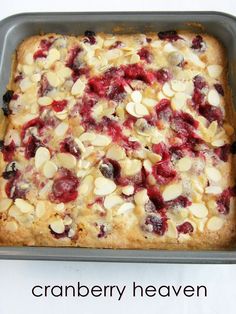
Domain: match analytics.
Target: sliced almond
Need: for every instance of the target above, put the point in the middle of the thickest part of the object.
(66, 160)
(49, 169)
(199, 210)
(44, 101)
(172, 191)
(112, 201)
(141, 197)
(136, 96)
(167, 91)
(214, 70)
(116, 152)
(87, 136)
(184, 164)
(149, 102)
(80, 144)
(104, 186)
(140, 110)
(179, 101)
(172, 230)
(52, 57)
(147, 165)
(42, 155)
(218, 143)
(213, 174)
(5, 203)
(134, 58)
(60, 208)
(61, 129)
(153, 157)
(25, 84)
(40, 209)
(131, 167)
(215, 190)
(128, 190)
(213, 97)
(130, 108)
(195, 60)
(101, 140)
(57, 226)
(125, 208)
(178, 86)
(23, 206)
(53, 79)
(86, 185)
(11, 226)
(78, 88)
(215, 223)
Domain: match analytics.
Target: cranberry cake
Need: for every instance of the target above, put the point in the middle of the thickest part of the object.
(118, 141)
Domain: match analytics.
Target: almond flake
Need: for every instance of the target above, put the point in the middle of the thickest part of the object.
(169, 48)
(57, 226)
(60, 208)
(52, 57)
(214, 70)
(136, 96)
(178, 86)
(44, 101)
(61, 129)
(213, 97)
(5, 203)
(218, 143)
(78, 88)
(134, 58)
(86, 136)
(66, 160)
(128, 190)
(141, 197)
(199, 210)
(179, 101)
(101, 140)
(161, 96)
(112, 201)
(86, 185)
(130, 108)
(49, 169)
(167, 90)
(184, 164)
(131, 167)
(104, 186)
(53, 79)
(215, 190)
(40, 209)
(42, 155)
(23, 206)
(195, 60)
(147, 165)
(11, 226)
(213, 174)
(29, 59)
(116, 152)
(172, 230)
(215, 223)
(80, 145)
(149, 102)
(172, 191)
(125, 208)
(140, 110)
(25, 84)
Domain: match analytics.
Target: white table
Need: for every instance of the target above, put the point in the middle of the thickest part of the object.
(17, 278)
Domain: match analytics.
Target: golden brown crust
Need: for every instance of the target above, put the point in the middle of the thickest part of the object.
(121, 215)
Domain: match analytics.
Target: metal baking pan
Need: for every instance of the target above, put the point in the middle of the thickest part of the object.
(15, 28)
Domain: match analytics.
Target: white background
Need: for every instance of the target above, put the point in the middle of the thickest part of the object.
(18, 277)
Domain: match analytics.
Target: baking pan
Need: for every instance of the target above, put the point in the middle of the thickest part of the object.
(15, 28)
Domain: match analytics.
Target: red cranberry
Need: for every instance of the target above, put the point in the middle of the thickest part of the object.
(163, 110)
(169, 35)
(185, 228)
(163, 75)
(223, 152)
(159, 225)
(156, 198)
(45, 44)
(110, 169)
(137, 72)
(163, 172)
(70, 146)
(145, 55)
(102, 232)
(198, 44)
(8, 174)
(199, 82)
(7, 97)
(211, 113)
(64, 234)
(117, 44)
(72, 61)
(219, 89)
(13, 190)
(90, 37)
(45, 87)
(8, 151)
(64, 188)
(59, 105)
(31, 146)
(181, 201)
(162, 150)
(223, 202)
(183, 123)
(37, 122)
(39, 54)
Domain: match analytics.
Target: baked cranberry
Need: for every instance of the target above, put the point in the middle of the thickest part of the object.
(18, 77)
(163, 172)
(90, 37)
(64, 234)
(137, 72)
(185, 228)
(163, 110)
(44, 86)
(64, 188)
(148, 39)
(13, 190)
(59, 105)
(219, 89)
(117, 44)
(159, 225)
(7, 97)
(8, 151)
(150, 207)
(181, 201)
(211, 113)
(163, 75)
(145, 55)
(72, 61)
(110, 169)
(223, 202)
(169, 35)
(183, 123)
(70, 146)
(39, 54)
(8, 174)
(162, 150)
(223, 152)
(102, 231)
(37, 123)
(31, 146)
(44, 45)
(198, 44)
(199, 82)
(197, 97)
(156, 198)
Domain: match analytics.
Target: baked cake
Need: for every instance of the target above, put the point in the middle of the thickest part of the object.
(118, 141)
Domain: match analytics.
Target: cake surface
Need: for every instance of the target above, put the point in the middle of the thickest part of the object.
(118, 141)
